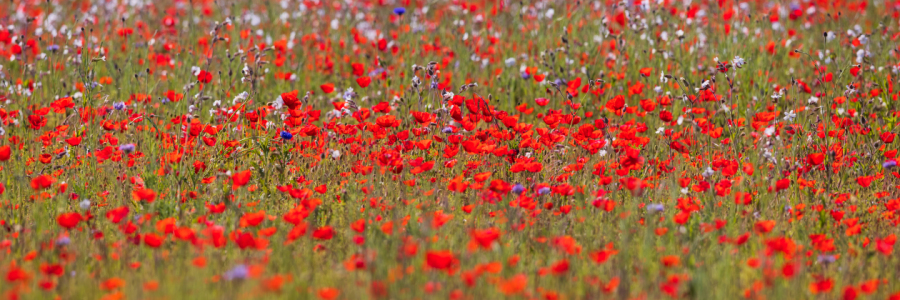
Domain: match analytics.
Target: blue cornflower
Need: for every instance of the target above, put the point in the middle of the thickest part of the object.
(84, 204)
(518, 189)
(238, 272)
(889, 164)
(376, 72)
(543, 191)
(119, 105)
(825, 259)
(286, 135)
(127, 148)
(400, 11)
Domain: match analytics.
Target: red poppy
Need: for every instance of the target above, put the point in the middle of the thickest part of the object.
(815, 159)
(116, 215)
(865, 181)
(239, 179)
(290, 99)
(821, 286)
(329, 293)
(5, 152)
(358, 69)
(252, 219)
(441, 260)
(204, 76)
(602, 255)
(152, 240)
(323, 233)
(782, 184)
(327, 88)
(144, 194)
(485, 238)
(358, 225)
(764, 226)
(74, 141)
(68, 220)
(363, 81)
(52, 269)
(246, 240)
(42, 182)
(671, 261)
(886, 245)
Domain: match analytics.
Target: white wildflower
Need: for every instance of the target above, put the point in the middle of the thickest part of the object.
(789, 116)
(738, 62)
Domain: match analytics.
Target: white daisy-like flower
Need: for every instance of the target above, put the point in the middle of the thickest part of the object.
(789, 116)
(778, 94)
(738, 62)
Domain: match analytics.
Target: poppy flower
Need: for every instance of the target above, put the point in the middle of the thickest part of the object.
(441, 260)
(329, 293)
(486, 237)
(290, 99)
(245, 240)
(821, 286)
(239, 179)
(5, 152)
(358, 225)
(68, 220)
(323, 233)
(52, 269)
(764, 226)
(363, 81)
(358, 69)
(204, 76)
(74, 141)
(327, 88)
(42, 182)
(815, 159)
(153, 241)
(782, 184)
(144, 194)
(112, 284)
(513, 285)
(886, 245)
(253, 219)
(671, 261)
(602, 256)
(865, 181)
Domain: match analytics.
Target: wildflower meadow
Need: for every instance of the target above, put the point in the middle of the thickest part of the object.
(425, 149)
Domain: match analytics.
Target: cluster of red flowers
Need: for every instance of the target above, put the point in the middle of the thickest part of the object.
(468, 149)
